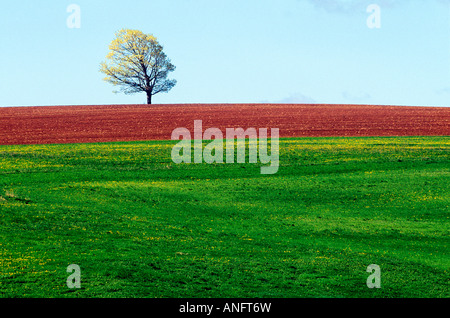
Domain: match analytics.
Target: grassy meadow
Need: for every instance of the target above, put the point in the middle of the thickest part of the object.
(139, 225)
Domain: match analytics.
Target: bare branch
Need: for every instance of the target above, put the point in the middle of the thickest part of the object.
(136, 63)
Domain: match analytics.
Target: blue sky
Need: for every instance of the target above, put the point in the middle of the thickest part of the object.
(233, 51)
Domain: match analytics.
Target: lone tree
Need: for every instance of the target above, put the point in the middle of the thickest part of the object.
(136, 62)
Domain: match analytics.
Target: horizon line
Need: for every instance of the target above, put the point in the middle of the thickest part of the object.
(222, 104)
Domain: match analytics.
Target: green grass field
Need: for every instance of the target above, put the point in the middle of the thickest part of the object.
(139, 225)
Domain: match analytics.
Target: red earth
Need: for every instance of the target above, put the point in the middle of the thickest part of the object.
(104, 123)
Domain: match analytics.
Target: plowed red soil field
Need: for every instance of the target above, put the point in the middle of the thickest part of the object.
(102, 123)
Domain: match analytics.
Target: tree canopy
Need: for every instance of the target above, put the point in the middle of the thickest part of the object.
(136, 63)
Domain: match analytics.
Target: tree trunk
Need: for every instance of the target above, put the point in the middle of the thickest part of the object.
(149, 98)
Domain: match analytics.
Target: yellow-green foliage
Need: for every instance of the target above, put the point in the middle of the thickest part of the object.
(127, 53)
(136, 62)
